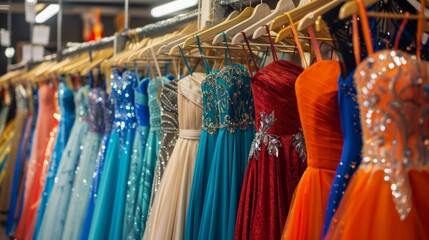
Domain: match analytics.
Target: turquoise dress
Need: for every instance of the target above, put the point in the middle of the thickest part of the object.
(205, 153)
(236, 132)
(67, 111)
(150, 157)
(136, 167)
(79, 198)
(56, 209)
(107, 221)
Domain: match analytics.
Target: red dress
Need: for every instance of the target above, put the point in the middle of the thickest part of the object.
(275, 165)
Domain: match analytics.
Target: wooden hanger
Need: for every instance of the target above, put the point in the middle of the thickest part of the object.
(213, 31)
(350, 8)
(258, 29)
(259, 13)
(8, 77)
(311, 18)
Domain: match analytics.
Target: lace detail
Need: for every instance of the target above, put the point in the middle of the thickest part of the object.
(211, 113)
(394, 103)
(271, 141)
(298, 142)
(235, 100)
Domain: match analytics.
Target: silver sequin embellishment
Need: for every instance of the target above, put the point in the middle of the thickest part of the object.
(271, 141)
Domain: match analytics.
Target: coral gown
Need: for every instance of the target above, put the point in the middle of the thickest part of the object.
(317, 96)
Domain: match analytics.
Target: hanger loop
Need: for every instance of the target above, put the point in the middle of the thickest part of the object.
(297, 42)
(271, 43)
(206, 64)
(227, 52)
(186, 61)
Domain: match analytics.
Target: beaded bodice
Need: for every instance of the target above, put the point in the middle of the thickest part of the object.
(81, 103)
(169, 111)
(123, 92)
(141, 103)
(66, 102)
(96, 99)
(393, 93)
(210, 107)
(155, 113)
(235, 100)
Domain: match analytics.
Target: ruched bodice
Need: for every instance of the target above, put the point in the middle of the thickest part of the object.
(235, 99)
(141, 103)
(155, 112)
(317, 95)
(189, 102)
(96, 99)
(210, 105)
(123, 92)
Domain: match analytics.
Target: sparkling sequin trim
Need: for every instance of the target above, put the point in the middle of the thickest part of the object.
(298, 142)
(271, 141)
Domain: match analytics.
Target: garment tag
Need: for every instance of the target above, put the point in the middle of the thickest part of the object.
(41, 35)
(30, 12)
(4, 38)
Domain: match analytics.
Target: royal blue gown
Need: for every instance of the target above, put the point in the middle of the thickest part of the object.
(107, 222)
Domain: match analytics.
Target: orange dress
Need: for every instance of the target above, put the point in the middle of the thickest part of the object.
(388, 197)
(317, 96)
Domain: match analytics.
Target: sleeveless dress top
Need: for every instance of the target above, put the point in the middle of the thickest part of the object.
(99, 163)
(136, 166)
(108, 218)
(277, 157)
(85, 169)
(168, 217)
(236, 132)
(317, 96)
(205, 153)
(67, 110)
(52, 225)
(387, 197)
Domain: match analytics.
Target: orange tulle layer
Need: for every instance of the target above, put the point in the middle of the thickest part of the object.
(307, 212)
(367, 210)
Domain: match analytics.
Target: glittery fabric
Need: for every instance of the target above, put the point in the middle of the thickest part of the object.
(275, 167)
(205, 153)
(99, 163)
(352, 147)
(56, 209)
(67, 111)
(86, 167)
(168, 216)
(388, 194)
(108, 217)
(139, 147)
(317, 98)
(42, 147)
(150, 156)
(236, 132)
(169, 130)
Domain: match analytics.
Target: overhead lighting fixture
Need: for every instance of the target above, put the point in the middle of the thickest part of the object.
(47, 13)
(172, 7)
(31, 1)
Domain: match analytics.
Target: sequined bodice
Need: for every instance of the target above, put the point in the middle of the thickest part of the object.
(81, 103)
(235, 100)
(211, 112)
(393, 92)
(169, 111)
(109, 113)
(155, 113)
(141, 103)
(123, 92)
(96, 102)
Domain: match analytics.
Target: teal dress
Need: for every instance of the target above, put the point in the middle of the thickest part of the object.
(139, 149)
(236, 132)
(108, 217)
(205, 153)
(150, 158)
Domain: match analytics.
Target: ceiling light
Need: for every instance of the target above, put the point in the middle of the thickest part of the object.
(9, 52)
(171, 7)
(31, 1)
(47, 13)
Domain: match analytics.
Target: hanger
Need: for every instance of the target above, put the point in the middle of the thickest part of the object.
(350, 8)
(259, 13)
(311, 18)
(213, 31)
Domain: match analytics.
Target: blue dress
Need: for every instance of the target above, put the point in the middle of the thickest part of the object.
(67, 111)
(352, 145)
(236, 132)
(79, 197)
(107, 221)
(150, 157)
(205, 153)
(56, 209)
(99, 163)
(139, 147)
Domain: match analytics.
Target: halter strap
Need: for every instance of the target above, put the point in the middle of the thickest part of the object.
(227, 52)
(316, 47)
(273, 50)
(186, 61)
(400, 30)
(206, 64)
(297, 42)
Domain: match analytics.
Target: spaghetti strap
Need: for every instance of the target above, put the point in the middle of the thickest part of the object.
(297, 42)
(206, 64)
(227, 52)
(250, 51)
(186, 61)
(271, 43)
(317, 52)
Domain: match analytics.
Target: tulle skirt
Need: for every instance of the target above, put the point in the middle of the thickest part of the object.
(168, 216)
(80, 193)
(107, 221)
(307, 211)
(134, 180)
(224, 183)
(199, 183)
(56, 209)
(367, 210)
